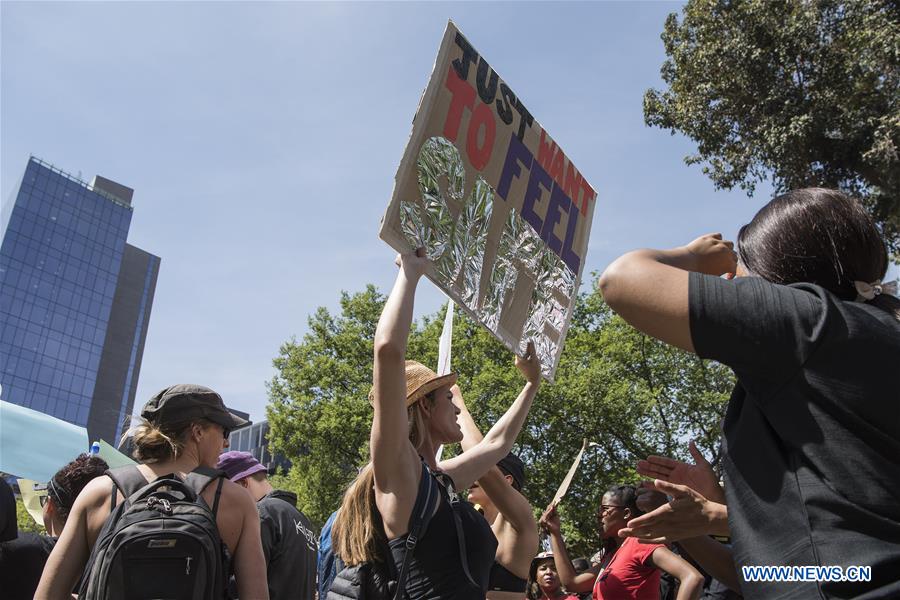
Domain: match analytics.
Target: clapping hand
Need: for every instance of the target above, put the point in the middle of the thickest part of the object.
(687, 515)
(698, 476)
(712, 255)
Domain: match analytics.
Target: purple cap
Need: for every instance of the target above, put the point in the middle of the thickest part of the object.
(238, 465)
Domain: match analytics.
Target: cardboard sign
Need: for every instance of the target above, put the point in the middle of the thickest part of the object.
(113, 457)
(567, 480)
(503, 214)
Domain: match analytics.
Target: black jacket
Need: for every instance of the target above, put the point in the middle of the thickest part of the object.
(289, 544)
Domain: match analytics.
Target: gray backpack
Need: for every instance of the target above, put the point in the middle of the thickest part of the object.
(162, 542)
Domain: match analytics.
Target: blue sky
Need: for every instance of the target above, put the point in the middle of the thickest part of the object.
(262, 142)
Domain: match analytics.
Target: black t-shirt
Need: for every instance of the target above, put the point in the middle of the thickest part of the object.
(21, 564)
(812, 431)
(289, 544)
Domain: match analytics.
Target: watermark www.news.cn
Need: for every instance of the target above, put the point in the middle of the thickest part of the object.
(807, 573)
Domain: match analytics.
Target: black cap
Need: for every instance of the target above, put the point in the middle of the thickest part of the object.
(512, 465)
(187, 401)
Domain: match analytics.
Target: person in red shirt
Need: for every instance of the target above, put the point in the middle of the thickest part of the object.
(627, 568)
(543, 580)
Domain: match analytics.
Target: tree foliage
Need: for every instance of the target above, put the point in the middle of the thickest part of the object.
(807, 92)
(24, 520)
(628, 393)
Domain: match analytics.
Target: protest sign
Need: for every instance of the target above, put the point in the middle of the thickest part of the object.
(113, 457)
(567, 480)
(34, 445)
(503, 214)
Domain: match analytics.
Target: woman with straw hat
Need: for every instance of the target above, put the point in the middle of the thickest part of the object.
(414, 415)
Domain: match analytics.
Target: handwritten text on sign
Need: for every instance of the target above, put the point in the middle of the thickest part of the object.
(503, 214)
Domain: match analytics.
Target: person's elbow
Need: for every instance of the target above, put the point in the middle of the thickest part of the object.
(692, 583)
(386, 348)
(613, 282)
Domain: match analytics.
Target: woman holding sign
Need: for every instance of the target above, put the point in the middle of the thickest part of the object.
(813, 336)
(414, 414)
(628, 569)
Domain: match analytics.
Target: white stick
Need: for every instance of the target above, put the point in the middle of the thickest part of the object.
(444, 346)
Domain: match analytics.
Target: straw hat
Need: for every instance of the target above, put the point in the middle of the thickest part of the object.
(420, 381)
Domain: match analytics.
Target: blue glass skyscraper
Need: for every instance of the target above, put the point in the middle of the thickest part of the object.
(75, 299)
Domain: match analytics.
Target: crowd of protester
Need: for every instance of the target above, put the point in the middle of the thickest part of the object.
(810, 454)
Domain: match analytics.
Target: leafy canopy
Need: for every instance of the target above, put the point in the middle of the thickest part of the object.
(632, 395)
(807, 92)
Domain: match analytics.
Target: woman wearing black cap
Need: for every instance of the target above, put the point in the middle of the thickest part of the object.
(182, 427)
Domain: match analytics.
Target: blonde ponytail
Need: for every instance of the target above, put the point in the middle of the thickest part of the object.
(358, 532)
(154, 443)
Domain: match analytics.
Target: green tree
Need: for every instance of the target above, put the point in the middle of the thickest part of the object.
(616, 387)
(805, 92)
(24, 520)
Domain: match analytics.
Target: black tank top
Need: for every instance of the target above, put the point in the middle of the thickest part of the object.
(435, 571)
(504, 580)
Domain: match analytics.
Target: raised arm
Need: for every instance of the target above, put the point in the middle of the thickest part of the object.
(572, 581)
(475, 462)
(394, 460)
(649, 288)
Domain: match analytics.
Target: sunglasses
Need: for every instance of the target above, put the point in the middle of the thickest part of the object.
(43, 499)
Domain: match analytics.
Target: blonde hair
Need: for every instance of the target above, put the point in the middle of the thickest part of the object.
(358, 531)
(159, 443)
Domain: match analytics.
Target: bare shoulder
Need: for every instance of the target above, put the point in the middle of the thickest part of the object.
(96, 492)
(235, 504)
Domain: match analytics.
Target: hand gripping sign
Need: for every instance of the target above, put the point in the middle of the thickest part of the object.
(501, 211)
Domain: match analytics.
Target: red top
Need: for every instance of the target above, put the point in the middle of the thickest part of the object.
(629, 574)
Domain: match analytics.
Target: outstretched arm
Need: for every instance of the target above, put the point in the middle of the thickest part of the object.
(394, 460)
(475, 462)
(649, 288)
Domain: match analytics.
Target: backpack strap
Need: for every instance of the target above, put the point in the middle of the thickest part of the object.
(418, 522)
(461, 540)
(199, 478)
(128, 479)
(453, 499)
